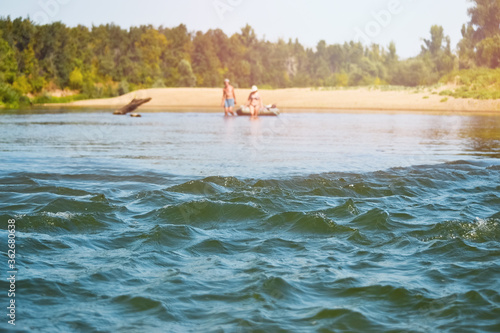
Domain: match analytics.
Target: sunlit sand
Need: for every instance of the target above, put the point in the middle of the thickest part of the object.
(320, 99)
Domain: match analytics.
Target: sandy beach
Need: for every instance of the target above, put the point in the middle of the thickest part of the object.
(317, 100)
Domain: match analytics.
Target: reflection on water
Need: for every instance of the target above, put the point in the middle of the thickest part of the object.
(481, 136)
(209, 144)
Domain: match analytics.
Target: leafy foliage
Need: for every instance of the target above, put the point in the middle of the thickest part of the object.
(480, 45)
(481, 83)
(107, 60)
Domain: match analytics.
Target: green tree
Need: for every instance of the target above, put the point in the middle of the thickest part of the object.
(485, 18)
(22, 85)
(76, 79)
(151, 47)
(437, 51)
(488, 52)
(435, 44)
(466, 48)
(179, 48)
(187, 77)
(480, 37)
(320, 66)
(206, 64)
(392, 56)
(412, 72)
(8, 63)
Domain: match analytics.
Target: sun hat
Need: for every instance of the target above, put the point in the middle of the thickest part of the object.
(226, 80)
(254, 88)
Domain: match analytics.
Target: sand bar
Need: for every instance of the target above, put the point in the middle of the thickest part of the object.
(294, 99)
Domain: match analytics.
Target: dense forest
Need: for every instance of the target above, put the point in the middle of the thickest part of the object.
(107, 60)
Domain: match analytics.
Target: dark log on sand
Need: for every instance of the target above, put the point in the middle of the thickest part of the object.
(132, 106)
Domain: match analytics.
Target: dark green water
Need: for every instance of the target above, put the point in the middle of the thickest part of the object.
(188, 222)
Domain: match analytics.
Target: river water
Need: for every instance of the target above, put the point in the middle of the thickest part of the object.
(192, 222)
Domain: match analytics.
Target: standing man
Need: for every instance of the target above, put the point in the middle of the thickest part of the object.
(228, 98)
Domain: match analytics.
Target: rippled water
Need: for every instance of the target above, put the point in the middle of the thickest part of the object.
(189, 222)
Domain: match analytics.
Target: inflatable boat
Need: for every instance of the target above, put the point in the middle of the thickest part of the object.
(270, 110)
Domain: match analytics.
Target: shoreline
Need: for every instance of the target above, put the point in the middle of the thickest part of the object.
(294, 100)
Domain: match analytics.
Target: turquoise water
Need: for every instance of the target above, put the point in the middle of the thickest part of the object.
(189, 222)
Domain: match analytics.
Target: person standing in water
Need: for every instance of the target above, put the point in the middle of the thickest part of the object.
(228, 98)
(255, 102)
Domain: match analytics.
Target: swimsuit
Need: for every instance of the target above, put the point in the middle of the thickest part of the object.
(229, 103)
(255, 100)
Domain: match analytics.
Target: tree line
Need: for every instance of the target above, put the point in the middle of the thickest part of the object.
(107, 60)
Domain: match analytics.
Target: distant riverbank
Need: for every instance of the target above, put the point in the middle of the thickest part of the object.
(425, 99)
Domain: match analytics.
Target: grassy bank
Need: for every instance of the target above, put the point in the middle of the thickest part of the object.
(11, 99)
(479, 83)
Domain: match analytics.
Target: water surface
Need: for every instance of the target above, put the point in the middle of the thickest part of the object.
(191, 222)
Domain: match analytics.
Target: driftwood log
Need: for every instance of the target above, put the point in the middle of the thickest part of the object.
(133, 105)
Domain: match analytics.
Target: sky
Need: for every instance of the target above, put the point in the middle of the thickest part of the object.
(406, 22)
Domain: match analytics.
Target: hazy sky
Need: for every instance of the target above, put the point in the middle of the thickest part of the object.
(405, 22)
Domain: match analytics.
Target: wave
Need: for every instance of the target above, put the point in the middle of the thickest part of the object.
(205, 211)
(48, 222)
(480, 231)
(209, 185)
(392, 250)
(303, 223)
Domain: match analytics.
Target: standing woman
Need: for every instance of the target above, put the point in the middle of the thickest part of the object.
(255, 102)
